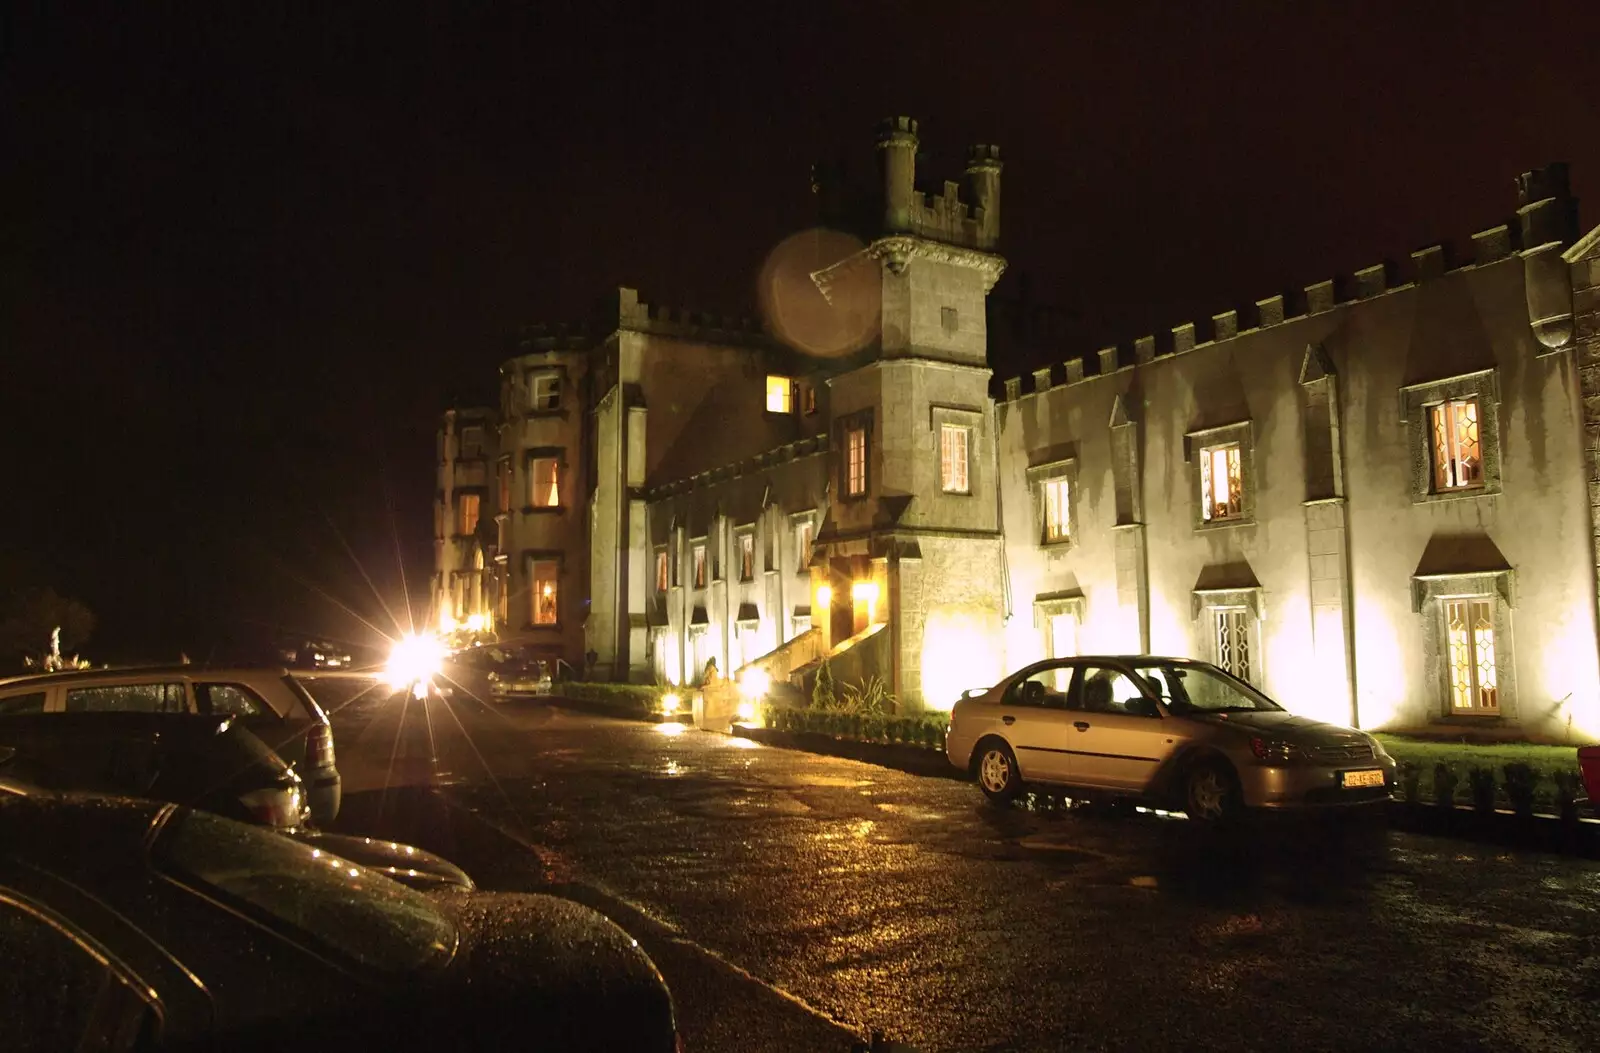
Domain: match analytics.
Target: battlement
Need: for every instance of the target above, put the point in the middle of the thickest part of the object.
(1547, 216)
(810, 447)
(973, 224)
(625, 310)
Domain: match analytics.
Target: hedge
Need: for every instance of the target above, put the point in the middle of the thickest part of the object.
(926, 731)
(1552, 771)
(645, 699)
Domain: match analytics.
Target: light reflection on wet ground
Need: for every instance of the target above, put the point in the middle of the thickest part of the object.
(907, 904)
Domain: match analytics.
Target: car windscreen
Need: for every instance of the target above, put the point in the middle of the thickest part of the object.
(305, 893)
(1191, 687)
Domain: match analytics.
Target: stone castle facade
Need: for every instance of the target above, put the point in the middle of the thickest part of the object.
(1378, 498)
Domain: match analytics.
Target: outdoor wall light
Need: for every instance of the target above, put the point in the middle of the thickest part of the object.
(824, 596)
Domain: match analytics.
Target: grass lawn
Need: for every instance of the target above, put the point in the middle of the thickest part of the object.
(1461, 756)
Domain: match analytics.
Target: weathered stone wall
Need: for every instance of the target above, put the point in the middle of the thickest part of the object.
(1389, 350)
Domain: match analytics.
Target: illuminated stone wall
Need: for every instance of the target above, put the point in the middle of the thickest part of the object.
(1342, 556)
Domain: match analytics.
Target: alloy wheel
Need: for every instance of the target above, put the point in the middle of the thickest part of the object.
(995, 771)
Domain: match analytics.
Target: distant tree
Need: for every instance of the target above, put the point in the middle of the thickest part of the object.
(28, 617)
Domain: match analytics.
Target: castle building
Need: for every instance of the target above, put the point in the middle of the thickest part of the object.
(1377, 498)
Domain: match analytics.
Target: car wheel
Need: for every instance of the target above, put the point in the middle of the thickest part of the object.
(998, 776)
(1211, 793)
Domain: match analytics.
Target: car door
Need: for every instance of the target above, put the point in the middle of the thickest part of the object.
(1120, 739)
(1035, 719)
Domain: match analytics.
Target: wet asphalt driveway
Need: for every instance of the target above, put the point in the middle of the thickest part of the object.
(791, 899)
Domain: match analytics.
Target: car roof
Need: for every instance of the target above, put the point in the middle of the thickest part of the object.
(114, 672)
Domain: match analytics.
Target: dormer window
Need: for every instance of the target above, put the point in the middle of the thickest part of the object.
(780, 394)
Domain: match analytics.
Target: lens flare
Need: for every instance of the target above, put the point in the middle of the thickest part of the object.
(414, 658)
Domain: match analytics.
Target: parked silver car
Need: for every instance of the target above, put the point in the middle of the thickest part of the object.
(270, 702)
(1179, 733)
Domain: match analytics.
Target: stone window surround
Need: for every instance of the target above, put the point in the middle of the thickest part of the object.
(536, 453)
(739, 534)
(1427, 592)
(481, 493)
(970, 418)
(701, 542)
(531, 556)
(1415, 401)
(1039, 474)
(1241, 432)
(862, 419)
(530, 378)
(1204, 603)
(796, 521)
(1048, 605)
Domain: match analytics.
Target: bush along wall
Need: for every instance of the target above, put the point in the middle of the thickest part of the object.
(924, 730)
(641, 700)
(1489, 788)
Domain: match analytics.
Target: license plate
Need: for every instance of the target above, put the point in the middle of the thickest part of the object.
(1353, 779)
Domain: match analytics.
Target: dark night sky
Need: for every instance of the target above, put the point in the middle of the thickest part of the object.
(249, 255)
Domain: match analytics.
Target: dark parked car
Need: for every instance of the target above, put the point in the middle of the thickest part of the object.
(270, 702)
(136, 926)
(33, 774)
(212, 763)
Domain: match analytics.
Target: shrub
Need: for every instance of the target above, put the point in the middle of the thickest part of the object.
(1411, 782)
(1481, 781)
(1567, 784)
(822, 691)
(1520, 780)
(644, 699)
(1444, 785)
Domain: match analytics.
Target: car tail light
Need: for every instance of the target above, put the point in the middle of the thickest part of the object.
(319, 746)
(274, 806)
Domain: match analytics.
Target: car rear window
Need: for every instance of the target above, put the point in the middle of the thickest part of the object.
(232, 700)
(32, 702)
(307, 894)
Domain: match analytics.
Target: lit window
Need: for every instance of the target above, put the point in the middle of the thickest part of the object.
(546, 592)
(504, 480)
(1231, 632)
(855, 445)
(803, 532)
(747, 557)
(1057, 511)
(699, 566)
(953, 459)
(469, 513)
(661, 571)
(1457, 450)
(544, 482)
(780, 395)
(1469, 629)
(1221, 486)
(544, 392)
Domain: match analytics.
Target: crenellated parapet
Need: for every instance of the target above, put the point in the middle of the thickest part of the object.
(1546, 224)
(626, 311)
(973, 223)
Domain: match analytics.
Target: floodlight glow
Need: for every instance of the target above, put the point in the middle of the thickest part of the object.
(754, 683)
(414, 659)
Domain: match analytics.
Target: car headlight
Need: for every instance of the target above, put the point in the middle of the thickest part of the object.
(1275, 751)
